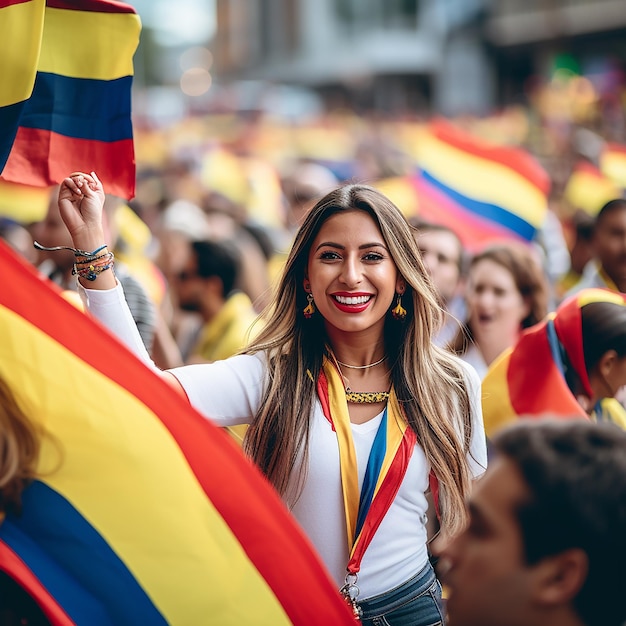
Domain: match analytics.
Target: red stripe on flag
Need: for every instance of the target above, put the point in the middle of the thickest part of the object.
(9, 3)
(98, 6)
(252, 509)
(616, 148)
(21, 574)
(531, 366)
(513, 158)
(568, 325)
(41, 158)
(474, 232)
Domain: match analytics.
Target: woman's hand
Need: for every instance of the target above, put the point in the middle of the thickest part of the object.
(81, 201)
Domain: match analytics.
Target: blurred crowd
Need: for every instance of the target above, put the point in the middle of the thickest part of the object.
(219, 198)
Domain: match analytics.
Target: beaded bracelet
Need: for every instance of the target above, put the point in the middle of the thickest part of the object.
(91, 271)
(98, 260)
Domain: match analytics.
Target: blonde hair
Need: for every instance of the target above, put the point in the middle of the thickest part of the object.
(19, 449)
(428, 381)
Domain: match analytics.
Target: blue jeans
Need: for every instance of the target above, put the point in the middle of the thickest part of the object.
(417, 602)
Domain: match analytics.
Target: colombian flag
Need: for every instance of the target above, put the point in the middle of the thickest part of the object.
(65, 97)
(483, 191)
(143, 512)
(527, 380)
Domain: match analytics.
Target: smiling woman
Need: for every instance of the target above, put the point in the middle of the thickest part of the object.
(353, 412)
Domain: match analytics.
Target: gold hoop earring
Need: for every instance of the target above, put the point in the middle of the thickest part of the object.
(399, 312)
(309, 309)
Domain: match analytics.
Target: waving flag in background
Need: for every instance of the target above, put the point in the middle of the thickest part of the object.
(67, 103)
(143, 513)
(485, 192)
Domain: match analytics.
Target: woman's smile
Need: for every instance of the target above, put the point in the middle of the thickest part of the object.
(352, 302)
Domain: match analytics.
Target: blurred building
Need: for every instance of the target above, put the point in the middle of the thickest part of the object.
(456, 56)
(451, 56)
(382, 54)
(538, 37)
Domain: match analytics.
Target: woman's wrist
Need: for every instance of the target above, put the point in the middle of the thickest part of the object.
(89, 239)
(94, 269)
(103, 280)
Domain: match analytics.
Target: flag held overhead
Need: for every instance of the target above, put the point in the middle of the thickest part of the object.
(71, 109)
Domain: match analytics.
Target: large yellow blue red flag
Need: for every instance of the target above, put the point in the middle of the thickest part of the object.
(65, 94)
(142, 512)
(485, 192)
(529, 379)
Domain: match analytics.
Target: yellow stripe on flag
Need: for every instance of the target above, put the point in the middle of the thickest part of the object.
(396, 425)
(613, 166)
(115, 447)
(78, 44)
(481, 179)
(21, 27)
(496, 402)
(23, 203)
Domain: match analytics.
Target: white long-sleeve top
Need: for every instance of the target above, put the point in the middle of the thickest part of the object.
(229, 392)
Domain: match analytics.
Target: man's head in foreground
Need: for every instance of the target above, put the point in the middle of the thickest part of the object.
(546, 541)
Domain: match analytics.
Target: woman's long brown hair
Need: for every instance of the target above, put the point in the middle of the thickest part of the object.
(428, 381)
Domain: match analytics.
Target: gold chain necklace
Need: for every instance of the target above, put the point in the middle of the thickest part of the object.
(361, 367)
(361, 397)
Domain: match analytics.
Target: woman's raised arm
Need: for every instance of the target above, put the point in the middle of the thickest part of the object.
(81, 203)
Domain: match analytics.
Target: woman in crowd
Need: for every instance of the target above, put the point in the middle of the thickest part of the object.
(506, 292)
(572, 363)
(354, 413)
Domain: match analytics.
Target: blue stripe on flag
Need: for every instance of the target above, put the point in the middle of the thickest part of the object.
(491, 212)
(9, 122)
(74, 562)
(80, 107)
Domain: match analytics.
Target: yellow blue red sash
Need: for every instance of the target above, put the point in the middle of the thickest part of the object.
(391, 452)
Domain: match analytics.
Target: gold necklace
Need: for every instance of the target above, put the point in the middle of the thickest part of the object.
(366, 397)
(361, 397)
(361, 367)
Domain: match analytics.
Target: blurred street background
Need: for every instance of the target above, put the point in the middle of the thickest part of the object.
(544, 74)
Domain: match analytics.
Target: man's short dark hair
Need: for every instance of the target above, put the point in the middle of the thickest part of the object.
(219, 258)
(618, 204)
(575, 471)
